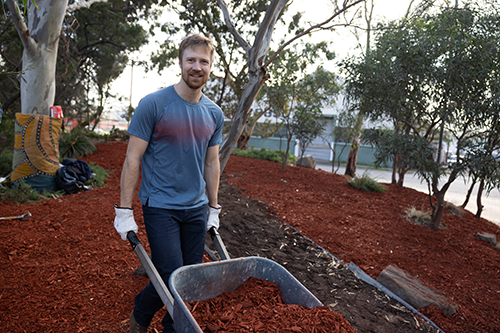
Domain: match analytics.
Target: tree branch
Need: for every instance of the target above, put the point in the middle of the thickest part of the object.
(318, 26)
(82, 4)
(232, 28)
(29, 44)
(265, 32)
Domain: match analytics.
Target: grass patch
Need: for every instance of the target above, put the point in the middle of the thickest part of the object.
(100, 176)
(265, 154)
(420, 217)
(23, 193)
(366, 183)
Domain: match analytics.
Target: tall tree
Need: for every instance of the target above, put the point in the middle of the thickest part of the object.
(256, 55)
(434, 71)
(356, 96)
(297, 97)
(352, 158)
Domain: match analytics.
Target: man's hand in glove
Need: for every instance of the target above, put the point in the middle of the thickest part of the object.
(213, 217)
(124, 221)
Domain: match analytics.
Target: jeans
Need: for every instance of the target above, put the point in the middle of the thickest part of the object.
(176, 238)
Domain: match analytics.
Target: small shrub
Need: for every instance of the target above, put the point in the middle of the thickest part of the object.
(6, 162)
(118, 134)
(365, 182)
(265, 154)
(414, 215)
(75, 144)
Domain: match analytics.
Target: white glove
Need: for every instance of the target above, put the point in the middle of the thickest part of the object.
(124, 221)
(213, 217)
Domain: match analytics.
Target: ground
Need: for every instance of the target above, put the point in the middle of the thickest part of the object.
(67, 270)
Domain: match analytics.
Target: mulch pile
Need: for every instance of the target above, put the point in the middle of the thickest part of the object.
(257, 306)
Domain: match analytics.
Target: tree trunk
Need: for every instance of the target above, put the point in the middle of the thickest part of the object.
(244, 141)
(394, 169)
(438, 211)
(469, 193)
(401, 174)
(41, 40)
(285, 158)
(352, 158)
(240, 120)
(479, 196)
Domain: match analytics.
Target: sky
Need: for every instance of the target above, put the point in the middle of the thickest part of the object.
(136, 83)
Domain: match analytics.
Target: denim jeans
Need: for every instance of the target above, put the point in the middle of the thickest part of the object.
(176, 238)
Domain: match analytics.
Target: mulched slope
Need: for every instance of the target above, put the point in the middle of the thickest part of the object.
(368, 229)
(66, 269)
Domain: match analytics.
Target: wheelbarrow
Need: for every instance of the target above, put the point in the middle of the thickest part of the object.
(199, 282)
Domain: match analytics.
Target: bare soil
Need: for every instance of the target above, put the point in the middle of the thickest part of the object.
(67, 270)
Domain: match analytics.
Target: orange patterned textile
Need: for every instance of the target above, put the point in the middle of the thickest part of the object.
(37, 136)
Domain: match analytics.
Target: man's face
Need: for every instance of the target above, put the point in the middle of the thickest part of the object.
(195, 66)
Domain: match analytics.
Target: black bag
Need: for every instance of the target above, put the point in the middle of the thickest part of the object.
(71, 177)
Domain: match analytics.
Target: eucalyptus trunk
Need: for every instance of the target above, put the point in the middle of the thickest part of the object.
(40, 39)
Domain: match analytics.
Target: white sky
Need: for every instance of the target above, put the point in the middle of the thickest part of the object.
(143, 83)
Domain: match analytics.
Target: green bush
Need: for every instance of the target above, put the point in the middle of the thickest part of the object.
(6, 162)
(264, 154)
(365, 182)
(75, 144)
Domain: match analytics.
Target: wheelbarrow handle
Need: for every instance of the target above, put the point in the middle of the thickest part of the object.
(153, 274)
(219, 245)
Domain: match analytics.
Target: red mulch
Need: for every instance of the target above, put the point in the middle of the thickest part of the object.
(257, 306)
(66, 269)
(368, 229)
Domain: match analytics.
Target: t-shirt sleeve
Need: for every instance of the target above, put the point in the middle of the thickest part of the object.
(144, 119)
(217, 137)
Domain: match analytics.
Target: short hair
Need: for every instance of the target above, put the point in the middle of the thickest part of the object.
(197, 40)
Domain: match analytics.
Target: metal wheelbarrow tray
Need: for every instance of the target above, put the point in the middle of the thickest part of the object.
(199, 282)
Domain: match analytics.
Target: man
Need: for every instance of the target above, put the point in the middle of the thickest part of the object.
(176, 131)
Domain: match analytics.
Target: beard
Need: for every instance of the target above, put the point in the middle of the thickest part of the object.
(194, 83)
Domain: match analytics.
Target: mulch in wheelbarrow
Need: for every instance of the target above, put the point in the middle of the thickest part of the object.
(257, 306)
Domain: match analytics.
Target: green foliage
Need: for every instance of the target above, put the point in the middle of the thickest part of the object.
(75, 144)
(297, 97)
(23, 193)
(100, 176)
(366, 183)
(7, 137)
(264, 154)
(94, 49)
(6, 162)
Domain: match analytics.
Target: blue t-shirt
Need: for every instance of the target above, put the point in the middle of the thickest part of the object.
(179, 133)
